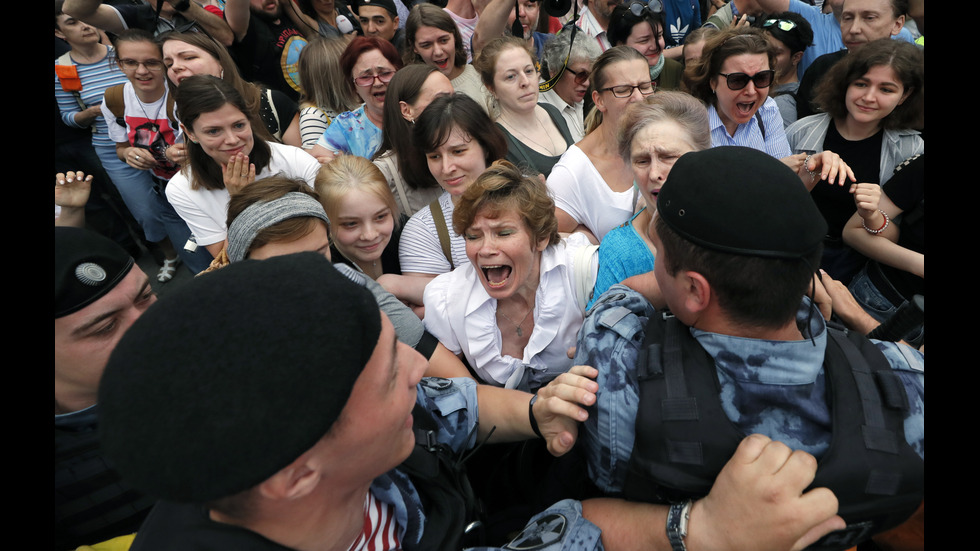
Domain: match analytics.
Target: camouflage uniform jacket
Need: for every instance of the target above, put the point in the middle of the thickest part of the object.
(776, 388)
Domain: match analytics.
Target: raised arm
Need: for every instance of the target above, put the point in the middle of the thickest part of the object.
(491, 24)
(215, 26)
(237, 15)
(95, 13)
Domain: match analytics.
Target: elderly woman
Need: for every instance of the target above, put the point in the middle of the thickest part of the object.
(653, 134)
(568, 93)
(515, 310)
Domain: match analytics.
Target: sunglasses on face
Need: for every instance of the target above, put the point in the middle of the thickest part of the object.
(368, 80)
(581, 77)
(737, 81)
(781, 24)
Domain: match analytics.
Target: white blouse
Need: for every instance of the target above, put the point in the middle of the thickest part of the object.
(460, 313)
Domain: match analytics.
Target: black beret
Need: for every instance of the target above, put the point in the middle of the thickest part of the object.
(231, 377)
(86, 267)
(741, 201)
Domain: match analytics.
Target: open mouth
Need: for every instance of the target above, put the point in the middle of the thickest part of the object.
(441, 64)
(745, 109)
(379, 96)
(497, 275)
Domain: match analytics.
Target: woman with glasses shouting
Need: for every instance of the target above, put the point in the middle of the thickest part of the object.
(641, 26)
(732, 78)
(369, 63)
(592, 184)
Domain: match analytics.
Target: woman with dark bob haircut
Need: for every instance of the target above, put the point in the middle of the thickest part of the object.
(873, 101)
(456, 140)
(511, 311)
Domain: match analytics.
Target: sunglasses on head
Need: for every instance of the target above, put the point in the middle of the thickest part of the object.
(653, 7)
(781, 24)
(737, 81)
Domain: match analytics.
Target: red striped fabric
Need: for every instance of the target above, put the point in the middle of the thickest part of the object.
(380, 532)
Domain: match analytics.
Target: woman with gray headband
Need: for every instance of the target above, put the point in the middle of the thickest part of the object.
(279, 215)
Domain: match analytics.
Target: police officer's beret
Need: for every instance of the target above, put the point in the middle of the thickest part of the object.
(742, 201)
(86, 267)
(231, 377)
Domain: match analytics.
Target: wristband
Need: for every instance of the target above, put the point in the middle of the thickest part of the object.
(677, 519)
(806, 162)
(182, 6)
(879, 230)
(530, 416)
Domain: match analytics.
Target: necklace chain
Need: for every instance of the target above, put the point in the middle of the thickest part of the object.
(520, 332)
(551, 150)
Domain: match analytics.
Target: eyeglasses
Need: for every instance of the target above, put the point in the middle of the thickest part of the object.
(625, 90)
(737, 81)
(581, 77)
(653, 7)
(781, 24)
(150, 64)
(368, 80)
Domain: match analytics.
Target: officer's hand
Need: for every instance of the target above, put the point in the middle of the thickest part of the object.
(559, 407)
(757, 502)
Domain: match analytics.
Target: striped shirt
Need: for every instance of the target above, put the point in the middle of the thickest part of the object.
(96, 78)
(749, 134)
(380, 532)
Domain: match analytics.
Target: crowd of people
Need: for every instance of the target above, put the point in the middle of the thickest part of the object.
(601, 274)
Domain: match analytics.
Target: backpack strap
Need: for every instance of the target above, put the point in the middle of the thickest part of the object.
(65, 61)
(762, 126)
(113, 98)
(440, 221)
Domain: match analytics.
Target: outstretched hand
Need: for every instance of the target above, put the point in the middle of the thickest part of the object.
(72, 189)
(561, 407)
(760, 491)
(826, 166)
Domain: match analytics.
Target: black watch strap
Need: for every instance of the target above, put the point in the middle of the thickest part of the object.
(182, 6)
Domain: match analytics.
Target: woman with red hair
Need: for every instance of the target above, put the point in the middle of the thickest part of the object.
(369, 63)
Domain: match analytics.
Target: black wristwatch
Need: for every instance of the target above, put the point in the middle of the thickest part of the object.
(182, 6)
(677, 519)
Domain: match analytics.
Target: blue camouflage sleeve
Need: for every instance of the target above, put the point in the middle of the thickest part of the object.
(609, 340)
(910, 366)
(560, 527)
(453, 404)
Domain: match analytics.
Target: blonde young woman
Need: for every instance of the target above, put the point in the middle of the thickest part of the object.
(322, 99)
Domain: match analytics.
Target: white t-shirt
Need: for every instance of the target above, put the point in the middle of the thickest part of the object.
(146, 126)
(580, 191)
(206, 210)
(419, 249)
(460, 313)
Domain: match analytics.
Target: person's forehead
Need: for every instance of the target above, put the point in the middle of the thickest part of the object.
(373, 11)
(854, 6)
(120, 296)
